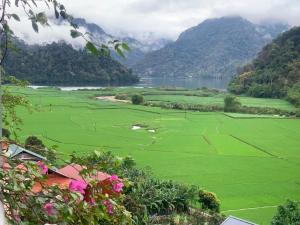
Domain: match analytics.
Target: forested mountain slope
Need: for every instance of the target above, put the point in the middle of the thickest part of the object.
(60, 64)
(214, 48)
(275, 72)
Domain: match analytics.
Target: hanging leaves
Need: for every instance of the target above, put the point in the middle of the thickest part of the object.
(15, 16)
(75, 34)
(92, 48)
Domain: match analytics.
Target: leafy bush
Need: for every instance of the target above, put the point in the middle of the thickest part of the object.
(293, 94)
(6, 133)
(209, 200)
(287, 214)
(82, 202)
(137, 99)
(231, 103)
(122, 96)
(33, 142)
(36, 145)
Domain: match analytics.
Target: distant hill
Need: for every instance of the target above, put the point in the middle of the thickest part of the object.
(214, 48)
(60, 64)
(138, 48)
(275, 72)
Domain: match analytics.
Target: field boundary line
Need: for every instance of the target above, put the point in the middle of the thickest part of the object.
(69, 143)
(254, 146)
(251, 208)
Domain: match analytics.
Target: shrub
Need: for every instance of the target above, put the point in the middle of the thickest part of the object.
(122, 96)
(33, 142)
(209, 200)
(231, 103)
(293, 94)
(137, 99)
(6, 133)
(287, 214)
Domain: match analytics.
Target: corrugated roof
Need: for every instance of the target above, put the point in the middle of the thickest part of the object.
(231, 220)
(53, 179)
(15, 150)
(73, 171)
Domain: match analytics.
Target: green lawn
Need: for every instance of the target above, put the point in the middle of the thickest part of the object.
(252, 164)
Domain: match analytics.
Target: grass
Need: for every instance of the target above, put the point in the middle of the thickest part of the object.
(249, 162)
(219, 100)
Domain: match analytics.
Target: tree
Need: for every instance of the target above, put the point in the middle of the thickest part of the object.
(231, 103)
(209, 200)
(137, 99)
(287, 214)
(33, 142)
(6, 133)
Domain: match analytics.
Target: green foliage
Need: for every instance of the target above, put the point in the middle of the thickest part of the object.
(122, 97)
(209, 200)
(287, 214)
(231, 104)
(35, 144)
(6, 133)
(61, 64)
(293, 94)
(88, 205)
(274, 72)
(137, 99)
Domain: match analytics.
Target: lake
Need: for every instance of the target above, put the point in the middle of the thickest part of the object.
(190, 83)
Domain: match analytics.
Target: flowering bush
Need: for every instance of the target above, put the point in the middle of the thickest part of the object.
(87, 201)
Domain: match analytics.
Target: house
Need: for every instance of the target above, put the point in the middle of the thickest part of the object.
(64, 176)
(73, 171)
(17, 152)
(231, 220)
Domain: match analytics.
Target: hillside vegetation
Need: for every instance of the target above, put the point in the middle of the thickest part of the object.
(214, 48)
(275, 72)
(61, 64)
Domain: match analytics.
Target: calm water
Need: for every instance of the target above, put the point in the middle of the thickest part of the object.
(165, 82)
(184, 83)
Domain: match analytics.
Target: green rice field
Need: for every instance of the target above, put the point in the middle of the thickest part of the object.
(251, 163)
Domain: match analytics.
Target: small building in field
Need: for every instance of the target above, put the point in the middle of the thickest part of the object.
(231, 220)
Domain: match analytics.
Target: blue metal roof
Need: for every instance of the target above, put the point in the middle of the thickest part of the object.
(15, 150)
(231, 220)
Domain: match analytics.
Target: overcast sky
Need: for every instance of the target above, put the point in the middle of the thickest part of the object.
(168, 18)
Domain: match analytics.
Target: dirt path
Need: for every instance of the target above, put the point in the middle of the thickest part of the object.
(112, 99)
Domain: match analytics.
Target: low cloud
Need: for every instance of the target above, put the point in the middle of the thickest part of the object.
(163, 18)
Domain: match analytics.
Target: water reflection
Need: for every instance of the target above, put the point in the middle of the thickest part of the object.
(184, 82)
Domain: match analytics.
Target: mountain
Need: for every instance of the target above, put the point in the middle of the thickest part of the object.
(138, 48)
(60, 64)
(214, 48)
(275, 72)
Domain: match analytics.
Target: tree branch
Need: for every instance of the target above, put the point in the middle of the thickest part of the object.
(5, 48)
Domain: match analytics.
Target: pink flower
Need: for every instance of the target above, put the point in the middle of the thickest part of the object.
(16, 217)
(78, 186)
(43, 167)
(118, 187)
(49, 207)
(110, 208)
(92, 202)
(114, 178)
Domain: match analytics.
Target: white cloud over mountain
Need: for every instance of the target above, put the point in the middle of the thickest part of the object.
(165, 18)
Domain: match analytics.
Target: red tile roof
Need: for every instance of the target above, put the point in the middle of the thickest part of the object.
(73, 171)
